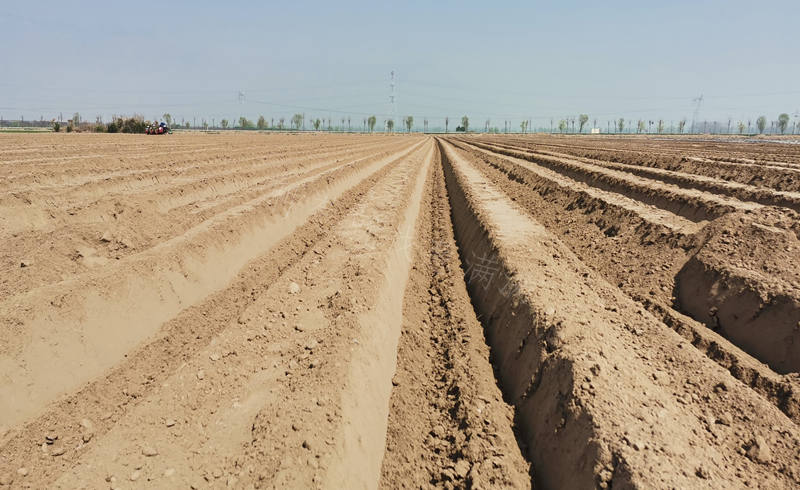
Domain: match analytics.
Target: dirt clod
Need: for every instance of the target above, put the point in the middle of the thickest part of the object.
(759, 450)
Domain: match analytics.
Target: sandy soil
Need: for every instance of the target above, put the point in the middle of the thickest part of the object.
(325, 311)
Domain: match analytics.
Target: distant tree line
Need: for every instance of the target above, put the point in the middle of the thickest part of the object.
(782, 124)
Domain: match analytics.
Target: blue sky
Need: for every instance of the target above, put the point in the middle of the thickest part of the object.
(503, 61)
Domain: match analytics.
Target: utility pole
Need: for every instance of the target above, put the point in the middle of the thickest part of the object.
(697, 102)
(392, 97)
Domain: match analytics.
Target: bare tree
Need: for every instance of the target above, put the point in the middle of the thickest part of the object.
(446, 122)
(371, 122)
(621, 124)
(465, 123)
(390, 125)
(681, 125)
(224, 124)
(261, 123)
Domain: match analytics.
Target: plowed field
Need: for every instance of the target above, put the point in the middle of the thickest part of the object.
(348, 311)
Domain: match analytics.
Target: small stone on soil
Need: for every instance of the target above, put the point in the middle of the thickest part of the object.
(294, 288)
(149, 451)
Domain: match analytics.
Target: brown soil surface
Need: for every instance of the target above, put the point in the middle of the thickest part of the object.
(251, 310)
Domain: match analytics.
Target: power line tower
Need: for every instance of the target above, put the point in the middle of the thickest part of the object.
(698, 101)
(393, 96)
(796, 125)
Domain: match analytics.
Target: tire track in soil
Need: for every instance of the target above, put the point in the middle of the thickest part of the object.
(448, 424)
(127, 388)
(605, 394)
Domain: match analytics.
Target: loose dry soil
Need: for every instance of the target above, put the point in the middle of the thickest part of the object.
(254, 310)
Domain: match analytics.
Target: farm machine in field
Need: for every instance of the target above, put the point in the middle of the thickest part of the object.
(161, 128)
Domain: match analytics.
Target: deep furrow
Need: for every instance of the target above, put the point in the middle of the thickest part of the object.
(694, 205)
(170, 276)
(567, 345)
(232, 316)
(781, 177)
(95, 238)
(743, 192)
(448, 424)
(141, 174)
(549, 181)
(617, 246)
(249, 310)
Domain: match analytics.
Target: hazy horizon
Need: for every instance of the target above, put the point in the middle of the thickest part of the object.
(519, 61)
